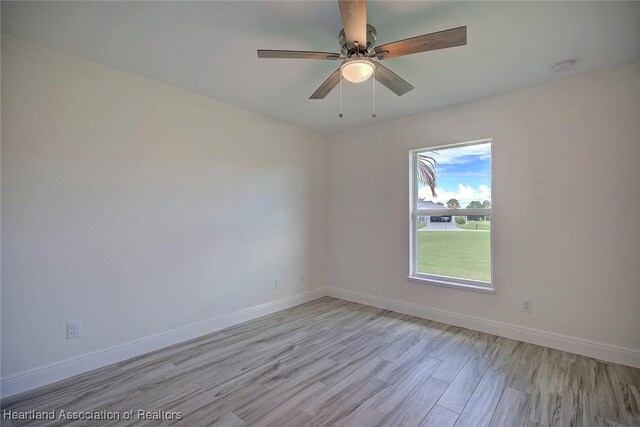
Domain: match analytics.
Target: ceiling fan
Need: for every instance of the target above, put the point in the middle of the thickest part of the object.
(358, 51)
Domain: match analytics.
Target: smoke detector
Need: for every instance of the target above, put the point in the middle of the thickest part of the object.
(564, 66)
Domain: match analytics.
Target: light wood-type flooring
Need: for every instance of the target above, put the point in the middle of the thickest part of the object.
(333, 362)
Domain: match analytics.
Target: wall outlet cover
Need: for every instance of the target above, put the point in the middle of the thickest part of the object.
(74, 329)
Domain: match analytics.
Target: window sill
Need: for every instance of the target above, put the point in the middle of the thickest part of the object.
(453, 284)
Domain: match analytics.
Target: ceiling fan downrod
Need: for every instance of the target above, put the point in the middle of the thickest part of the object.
(364, 49)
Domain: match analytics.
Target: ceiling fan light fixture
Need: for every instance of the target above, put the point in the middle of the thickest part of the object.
(357, 70)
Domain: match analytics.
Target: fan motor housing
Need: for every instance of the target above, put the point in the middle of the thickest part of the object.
(347, 50)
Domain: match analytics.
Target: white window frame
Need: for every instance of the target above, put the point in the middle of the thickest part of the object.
(432, 279)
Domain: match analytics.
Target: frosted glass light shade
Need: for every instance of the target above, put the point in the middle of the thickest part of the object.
(357, 70)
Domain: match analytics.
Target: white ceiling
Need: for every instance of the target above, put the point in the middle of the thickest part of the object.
(210, 48)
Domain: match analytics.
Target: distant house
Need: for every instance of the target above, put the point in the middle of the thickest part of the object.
(428, 204)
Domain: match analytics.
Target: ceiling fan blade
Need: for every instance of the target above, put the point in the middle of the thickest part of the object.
(354, 20)
(327, 86)
(434, 41)
(296, 54)
(391, 80)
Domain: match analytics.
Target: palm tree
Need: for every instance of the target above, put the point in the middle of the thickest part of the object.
(427, 171)
(453, 204)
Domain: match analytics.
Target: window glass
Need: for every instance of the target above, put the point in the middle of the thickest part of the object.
(451, 214)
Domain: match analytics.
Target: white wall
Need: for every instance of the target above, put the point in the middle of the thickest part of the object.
(566, 201)
(139, 208)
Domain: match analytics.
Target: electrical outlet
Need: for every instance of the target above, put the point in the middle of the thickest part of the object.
(527, 306)
(277, 284)
(303, 279)
(74, 329)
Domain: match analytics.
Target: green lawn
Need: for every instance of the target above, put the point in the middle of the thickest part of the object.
(455, 254)
(476, 225)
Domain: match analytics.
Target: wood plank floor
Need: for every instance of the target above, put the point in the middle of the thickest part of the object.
(333, 362)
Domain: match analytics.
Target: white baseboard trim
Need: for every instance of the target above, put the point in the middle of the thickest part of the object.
(29, 380)
(606, 352)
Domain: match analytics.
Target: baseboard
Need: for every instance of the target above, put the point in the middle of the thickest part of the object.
(606, 352)
(41, 376)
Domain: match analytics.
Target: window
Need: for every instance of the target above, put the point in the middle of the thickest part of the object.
(451, 215)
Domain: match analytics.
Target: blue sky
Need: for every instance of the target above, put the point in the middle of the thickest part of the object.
(463, 173)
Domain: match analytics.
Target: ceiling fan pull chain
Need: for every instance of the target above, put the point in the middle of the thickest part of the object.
(340, 115)
(373, 79)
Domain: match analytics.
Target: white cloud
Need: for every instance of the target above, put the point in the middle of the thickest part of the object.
(459, 155)
(465, 194)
